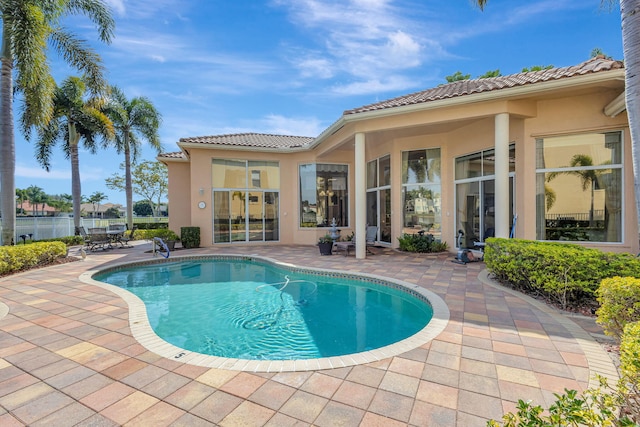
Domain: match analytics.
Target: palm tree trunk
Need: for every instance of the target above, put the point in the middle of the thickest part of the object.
(630, 14)
(128, 188)
(76, 191)
(7, 144)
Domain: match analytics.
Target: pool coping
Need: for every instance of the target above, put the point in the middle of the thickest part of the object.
(144, 334)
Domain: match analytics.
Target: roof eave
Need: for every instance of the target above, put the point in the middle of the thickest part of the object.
(617, 106)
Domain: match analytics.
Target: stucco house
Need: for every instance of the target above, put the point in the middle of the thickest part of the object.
(550, 148)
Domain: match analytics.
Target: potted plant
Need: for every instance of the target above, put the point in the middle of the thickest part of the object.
(169, 237)
(325, 243)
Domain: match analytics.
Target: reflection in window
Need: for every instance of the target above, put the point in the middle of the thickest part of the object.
(323, 195)
(579, 187)
(421, 191)
(236, 173)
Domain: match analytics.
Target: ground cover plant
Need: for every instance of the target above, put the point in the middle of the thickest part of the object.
(421, 242)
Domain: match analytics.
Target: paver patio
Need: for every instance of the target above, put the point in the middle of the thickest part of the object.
(67, 356)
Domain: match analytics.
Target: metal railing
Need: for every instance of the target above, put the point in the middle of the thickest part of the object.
(41, 228)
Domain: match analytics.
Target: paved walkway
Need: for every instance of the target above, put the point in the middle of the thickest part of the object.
(67, 356)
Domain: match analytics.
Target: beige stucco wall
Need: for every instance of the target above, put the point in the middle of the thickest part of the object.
(456, 130)
(179, 194)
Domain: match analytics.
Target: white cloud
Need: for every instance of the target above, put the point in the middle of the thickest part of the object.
(299, 126)
(361, 38)
(316, 68)
(117, 6)
(36, 172)
(365, 87)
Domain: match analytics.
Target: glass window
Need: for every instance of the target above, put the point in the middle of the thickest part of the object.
(469, 166)
(579, 187)
(372, 176)
(421, 191)
(384, 171)
(421, 166)
(229, 173)
(323, 195)
(264, 175)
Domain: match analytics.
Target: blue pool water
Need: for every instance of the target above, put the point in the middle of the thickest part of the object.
(248, 309)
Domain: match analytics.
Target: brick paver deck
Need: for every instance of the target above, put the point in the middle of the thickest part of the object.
(67, 356)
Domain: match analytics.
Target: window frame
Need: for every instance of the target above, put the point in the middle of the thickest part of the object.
(601, 167)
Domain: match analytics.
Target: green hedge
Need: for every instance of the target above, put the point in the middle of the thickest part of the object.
(564, 273)
(68, 240)
(630, 370)
(619, 299)
(17, 258)
(163, 233)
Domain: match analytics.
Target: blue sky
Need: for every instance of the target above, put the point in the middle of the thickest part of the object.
(293, 66)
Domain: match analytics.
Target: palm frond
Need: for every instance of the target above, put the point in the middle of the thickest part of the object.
(47, 138)
(98, 12)
(28, 32)
(79, 55)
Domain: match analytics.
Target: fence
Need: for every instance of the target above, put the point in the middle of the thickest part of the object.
(41, 228)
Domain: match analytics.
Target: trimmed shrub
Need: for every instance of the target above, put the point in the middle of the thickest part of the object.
(422, 243)
(619, 299)
(630, 370)
(190, 237)
(564, 273)
(17, 258)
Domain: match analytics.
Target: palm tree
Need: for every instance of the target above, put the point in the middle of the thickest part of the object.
(134, 120)
(28, 26)
(36, 195)
(95, 199)
(61, 202)
(631, 50)
(74, 118)
(21, 195)
(588, 177)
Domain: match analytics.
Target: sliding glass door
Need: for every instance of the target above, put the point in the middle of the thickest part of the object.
(245, 201)
(245, 216)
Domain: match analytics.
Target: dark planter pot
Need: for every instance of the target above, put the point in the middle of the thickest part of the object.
(325, 248)
(171, 244)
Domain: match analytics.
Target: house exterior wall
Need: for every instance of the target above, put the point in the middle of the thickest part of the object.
(181, 200)
(457, 130)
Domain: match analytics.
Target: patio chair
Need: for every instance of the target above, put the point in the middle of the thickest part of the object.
(83, 233)
(126, 238)
(370, 239)
(98, 239)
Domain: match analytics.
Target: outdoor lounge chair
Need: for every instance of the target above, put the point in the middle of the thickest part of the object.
(370, 238)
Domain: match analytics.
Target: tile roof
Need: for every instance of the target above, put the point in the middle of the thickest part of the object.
(468, 87)
(174, 155)
(260, 140)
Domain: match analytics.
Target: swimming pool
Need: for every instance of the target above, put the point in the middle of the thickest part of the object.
(250, 311)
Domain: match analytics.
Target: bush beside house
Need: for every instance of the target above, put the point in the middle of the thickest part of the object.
(565, 274)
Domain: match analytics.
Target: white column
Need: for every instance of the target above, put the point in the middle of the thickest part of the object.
(503, 222)
(360, 197)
